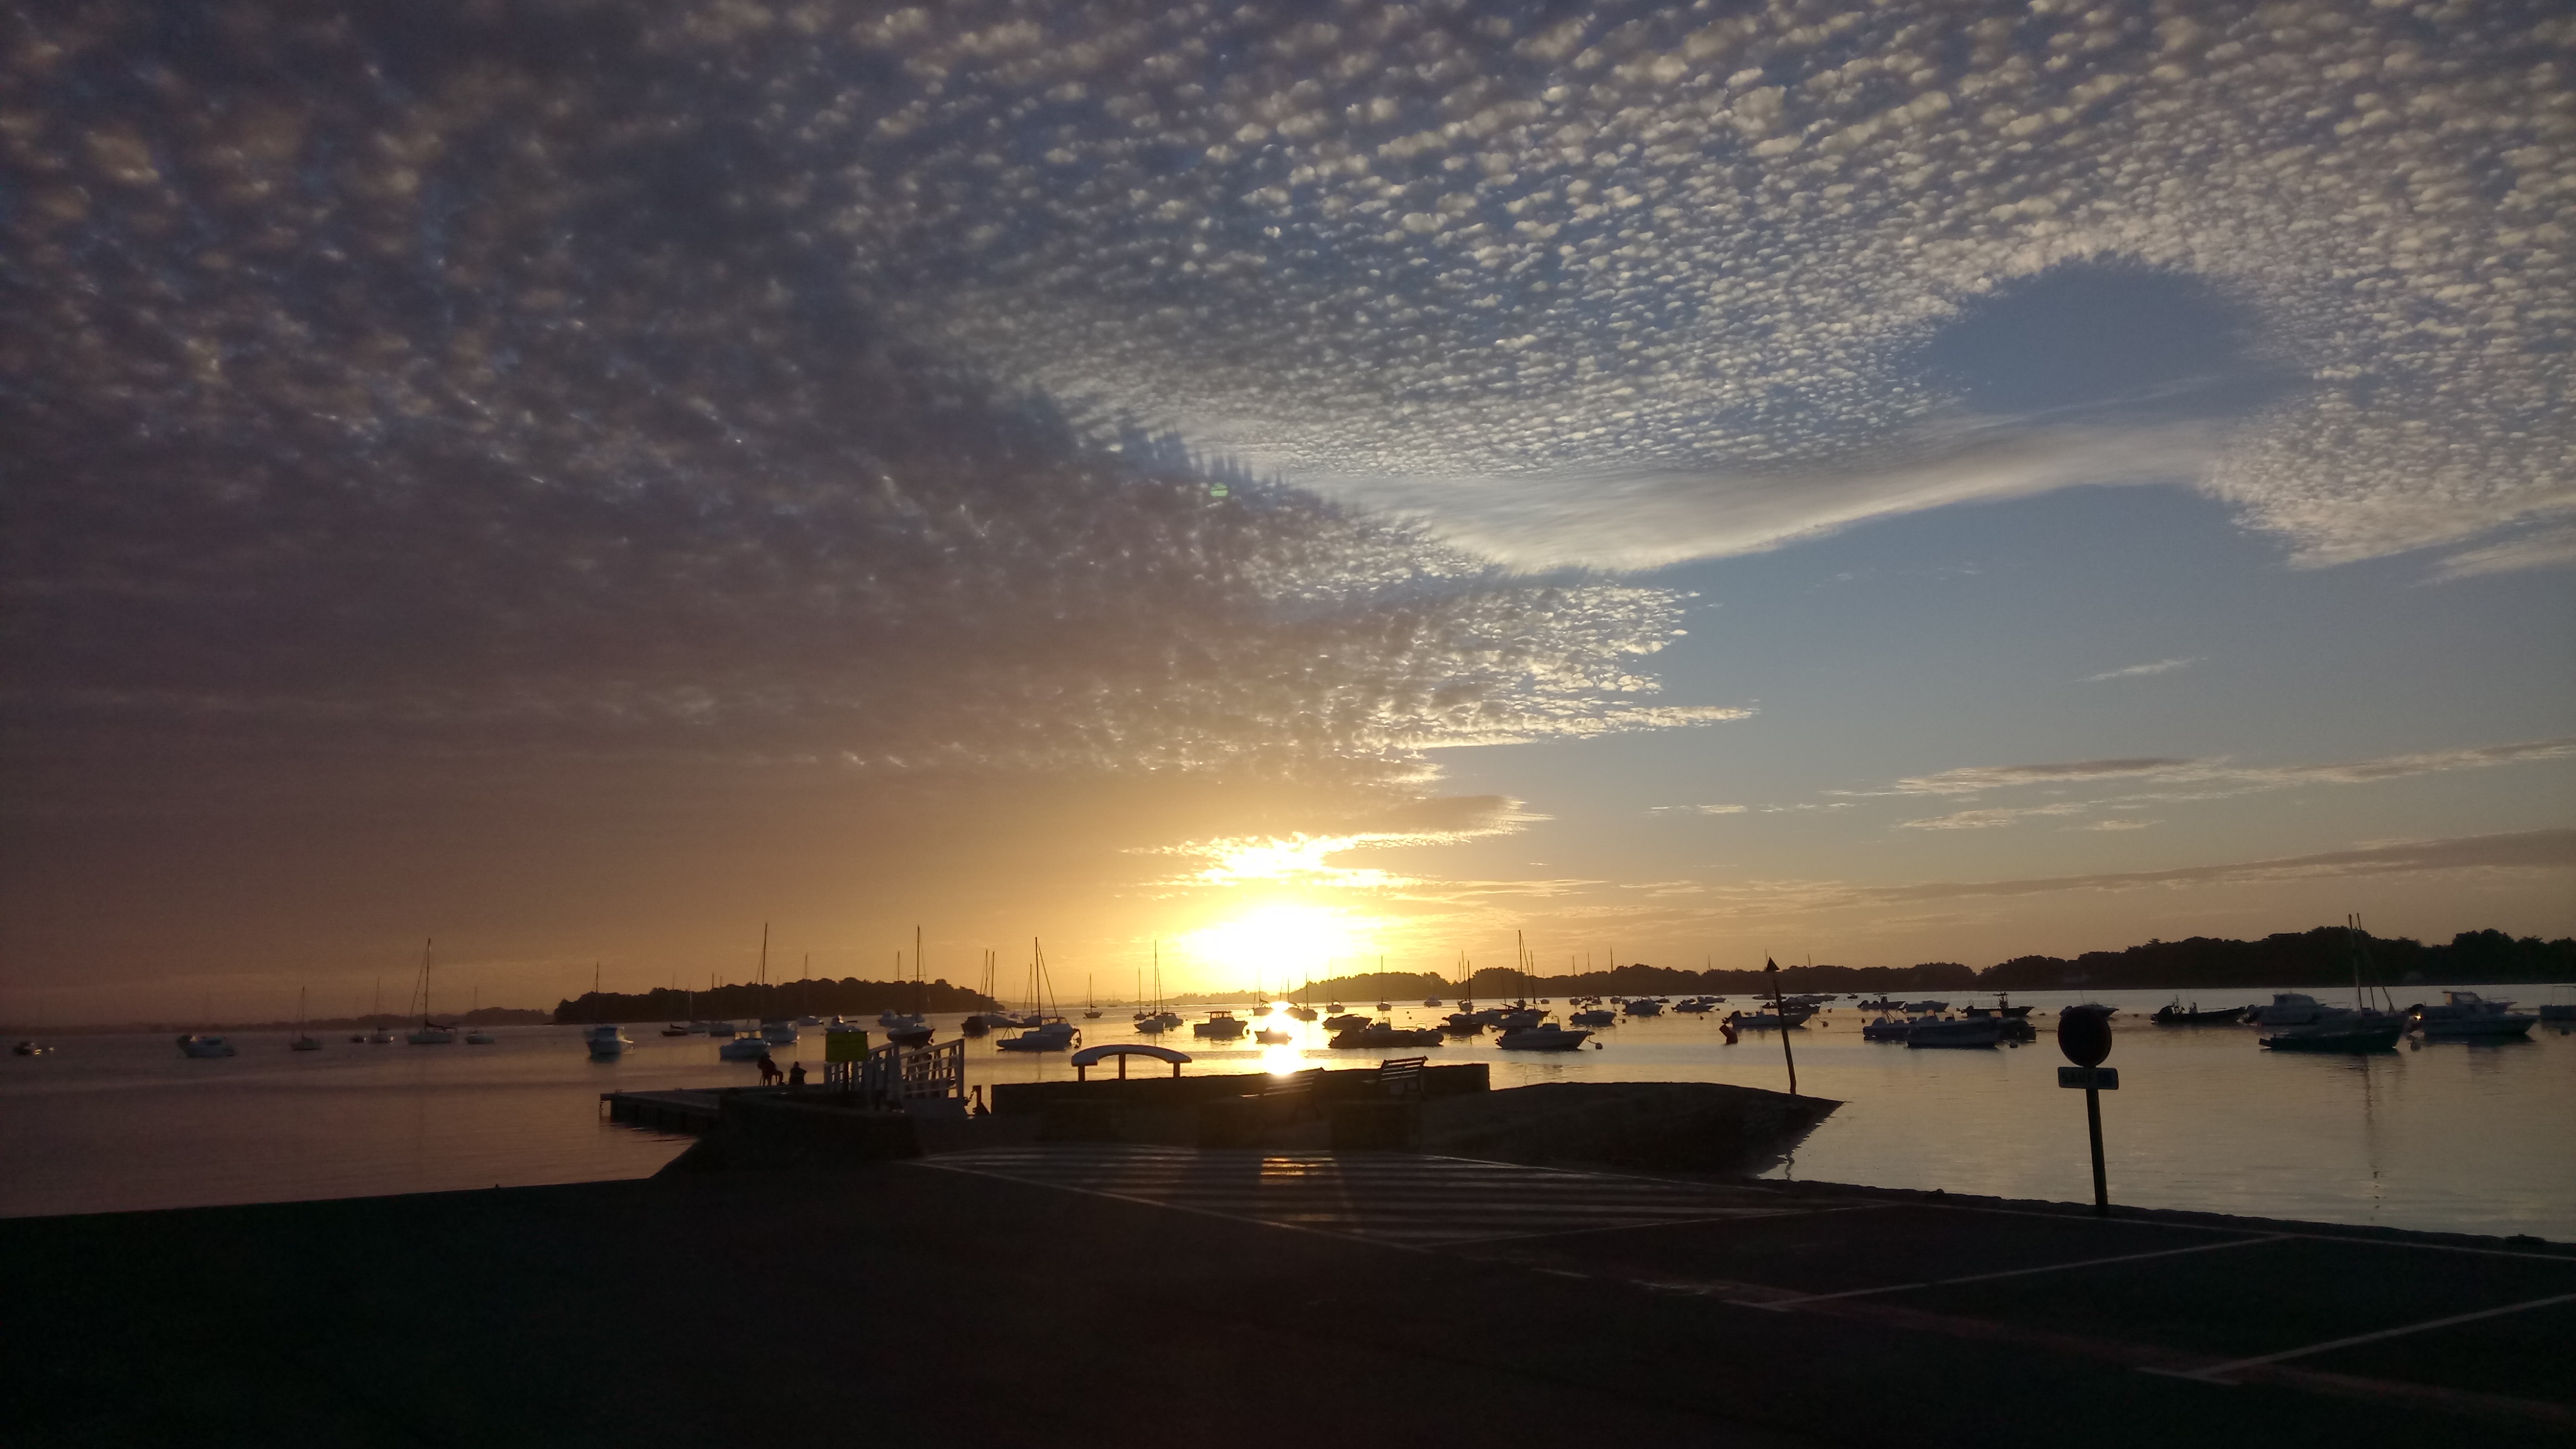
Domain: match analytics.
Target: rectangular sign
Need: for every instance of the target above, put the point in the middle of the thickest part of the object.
(845, 1046)
(2105, 1079)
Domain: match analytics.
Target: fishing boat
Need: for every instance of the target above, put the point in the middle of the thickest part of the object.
(1965, 1031)
(2174, 1014)
(2467, 1016)
(302, 1041)
(193, 1045)
(1545, 1037)
(1220, 1026)
(605, 1040)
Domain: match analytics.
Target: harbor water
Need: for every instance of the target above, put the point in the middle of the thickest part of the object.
(2444, 1136)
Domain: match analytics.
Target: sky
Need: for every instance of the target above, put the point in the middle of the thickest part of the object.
(1272, 488)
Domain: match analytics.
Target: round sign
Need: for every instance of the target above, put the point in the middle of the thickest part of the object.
(2085, 1036)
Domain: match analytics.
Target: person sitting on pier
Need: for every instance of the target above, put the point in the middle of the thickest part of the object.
(769, 1072)
(796, 1075)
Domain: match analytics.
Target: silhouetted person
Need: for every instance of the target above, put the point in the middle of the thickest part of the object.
(979, 1109)
(796, 1074)
(768, 1070)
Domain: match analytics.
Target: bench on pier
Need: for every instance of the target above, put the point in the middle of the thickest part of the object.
(1291, 1098)
(1402, 1076)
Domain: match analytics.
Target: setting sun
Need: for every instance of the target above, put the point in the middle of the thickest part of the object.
(1274, 944)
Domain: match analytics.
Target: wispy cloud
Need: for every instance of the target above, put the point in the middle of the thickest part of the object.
(2161, 666)
(2543, 549)
(2191, 780)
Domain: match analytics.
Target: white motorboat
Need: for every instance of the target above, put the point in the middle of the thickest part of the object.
(1545, 1037)
(783, 1033)
(891, 1018)
(479, 1037)
(1969, 1031)
(2291, 1008)
(742, 1049)
(809, 1019)
(1347, 1021)
(605, 1040)
(1220, 1026)
(1431, 1001)
(1594, 1016)
(720, 1030)
(194, 1045)
(31, 1049)
(1885, 1028)
(431, 1034)
(676, 1028)
(1644, 1006)
(2467, 1016)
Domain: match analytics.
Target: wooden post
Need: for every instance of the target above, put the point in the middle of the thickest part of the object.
(1771, 968)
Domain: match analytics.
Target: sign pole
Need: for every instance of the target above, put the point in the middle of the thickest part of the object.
(2093, 1122)
(2085, 1036)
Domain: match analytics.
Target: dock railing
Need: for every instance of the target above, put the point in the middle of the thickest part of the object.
(894, 1075)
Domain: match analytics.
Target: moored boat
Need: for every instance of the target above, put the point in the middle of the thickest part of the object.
(2467, 1016)
(2340, 1031)
(2173, 1013)
(1545, 1037)
(605, 1040)
(194, 1045)
(1966, 1031)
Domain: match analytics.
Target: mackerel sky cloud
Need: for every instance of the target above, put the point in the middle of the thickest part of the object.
(912, 438)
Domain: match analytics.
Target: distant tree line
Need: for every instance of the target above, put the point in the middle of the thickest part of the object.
(848, 996)
(2321, 957)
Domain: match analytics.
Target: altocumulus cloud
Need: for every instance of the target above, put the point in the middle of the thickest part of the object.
(545, 383)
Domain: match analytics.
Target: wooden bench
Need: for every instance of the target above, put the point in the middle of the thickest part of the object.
(1402, 1076)
(1292, 1097)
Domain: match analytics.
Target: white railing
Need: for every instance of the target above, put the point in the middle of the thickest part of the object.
(894, 1074)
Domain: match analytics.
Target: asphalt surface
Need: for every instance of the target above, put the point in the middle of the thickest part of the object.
(1083, 1295)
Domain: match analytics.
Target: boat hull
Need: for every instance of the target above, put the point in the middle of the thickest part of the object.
(2358, 1039)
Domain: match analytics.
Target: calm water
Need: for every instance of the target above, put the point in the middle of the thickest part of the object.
(2444, 1136)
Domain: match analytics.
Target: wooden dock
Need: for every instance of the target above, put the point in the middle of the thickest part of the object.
(690, 1110)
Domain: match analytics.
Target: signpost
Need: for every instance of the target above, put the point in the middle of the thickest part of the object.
(2084, 1034)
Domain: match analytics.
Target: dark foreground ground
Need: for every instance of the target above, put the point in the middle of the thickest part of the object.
(1080, 1295)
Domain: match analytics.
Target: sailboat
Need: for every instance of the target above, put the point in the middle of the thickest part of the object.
(1046, 1033)
(1090, 1008)
(380, 1034)
(430, 1033)
(478, 1036)
(302, 1041)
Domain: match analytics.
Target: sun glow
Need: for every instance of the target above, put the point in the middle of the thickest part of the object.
(1276, 945)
